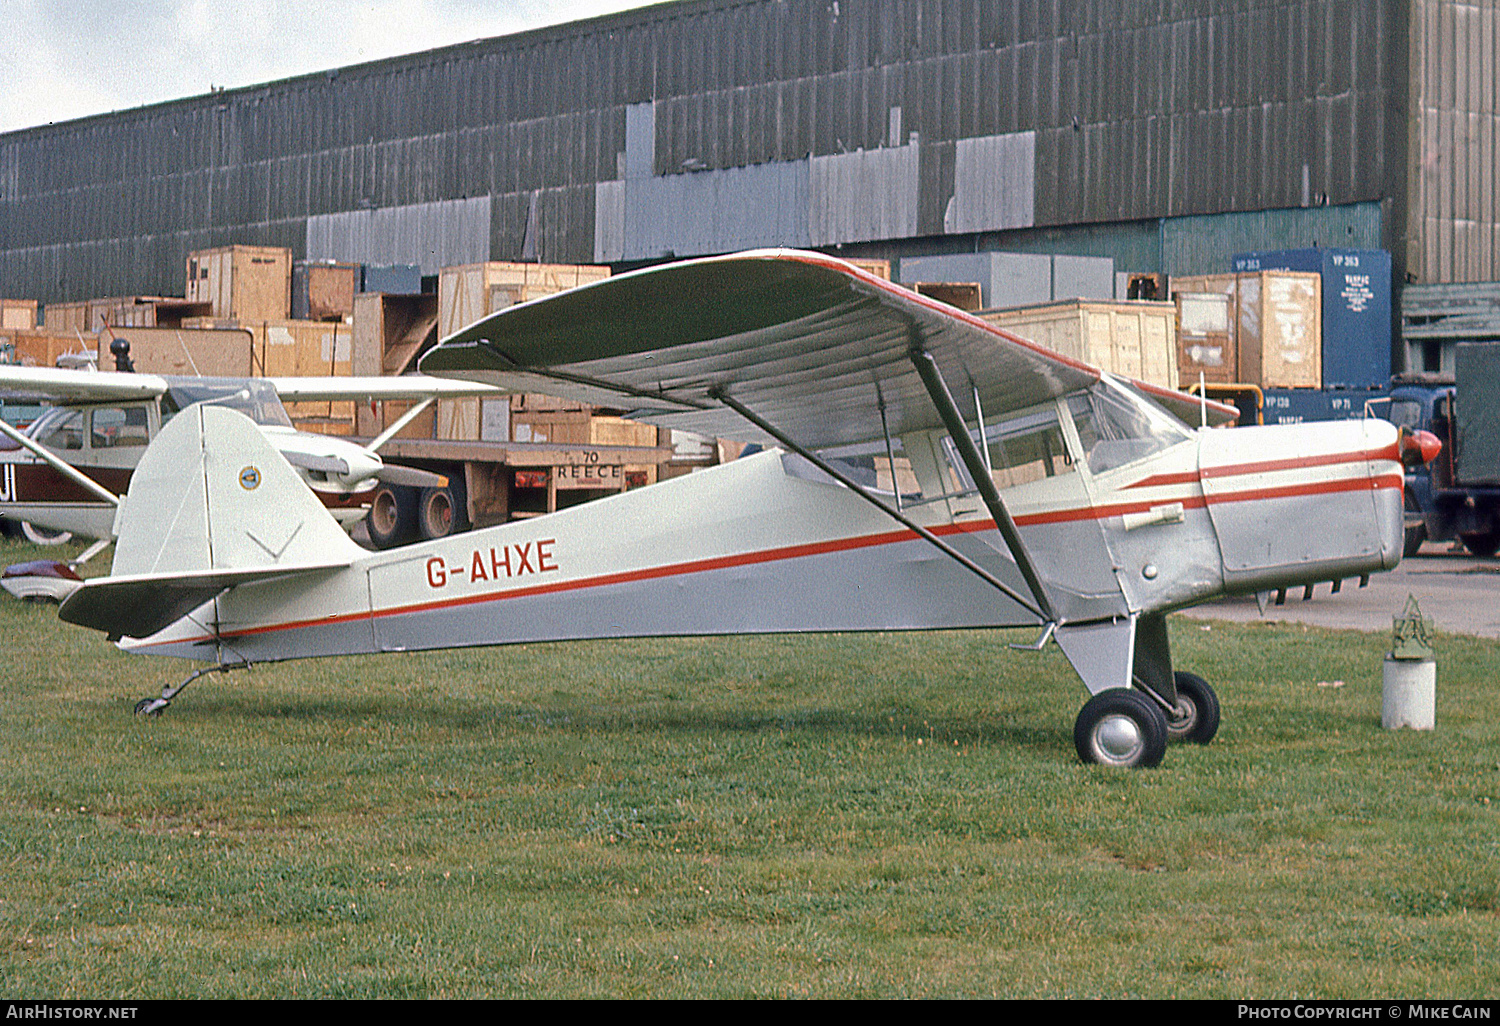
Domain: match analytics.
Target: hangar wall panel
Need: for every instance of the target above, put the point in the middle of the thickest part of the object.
(1455, 169)
(858, 197)
(430, 235)
(993, 183)
(1130, 111)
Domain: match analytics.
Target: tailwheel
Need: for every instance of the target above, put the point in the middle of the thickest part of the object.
(1121, 727)
(156, 706)
(151, 706)
(1196, 716)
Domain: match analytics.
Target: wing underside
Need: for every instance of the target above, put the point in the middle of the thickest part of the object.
(813, 345)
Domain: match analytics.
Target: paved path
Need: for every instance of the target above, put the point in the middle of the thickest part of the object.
(1460, 593)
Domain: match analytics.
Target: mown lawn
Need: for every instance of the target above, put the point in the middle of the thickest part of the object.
(896, 815)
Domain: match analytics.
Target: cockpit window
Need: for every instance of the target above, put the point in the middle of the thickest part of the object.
(1027, 447)
(59, 428)
(1116, 426)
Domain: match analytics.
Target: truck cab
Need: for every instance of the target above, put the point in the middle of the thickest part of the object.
(1457, 495)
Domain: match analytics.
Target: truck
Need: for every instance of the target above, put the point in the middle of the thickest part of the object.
(1457, 495)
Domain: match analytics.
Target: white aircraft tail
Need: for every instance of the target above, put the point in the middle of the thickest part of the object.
(211, 505)
(212, 493)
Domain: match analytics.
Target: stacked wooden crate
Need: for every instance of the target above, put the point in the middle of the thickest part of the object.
(1275, 324)
(1131, 338)
(18, 314)
(474, 291)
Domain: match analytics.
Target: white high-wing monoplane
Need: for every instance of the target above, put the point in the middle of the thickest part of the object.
(1080, 508)
(64, 474)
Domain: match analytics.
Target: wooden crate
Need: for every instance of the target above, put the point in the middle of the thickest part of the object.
(619, 431)
(1132, 338)
(1280, 329)
(191, 352)
(1275, 328)
(41, 347)
(312, 349)
(879, 268)
(1205, 343)
(472, 291)
(242, 283)
(18, 313)
(324, 291)
(537, 402)
(63, 318)
(563, 427)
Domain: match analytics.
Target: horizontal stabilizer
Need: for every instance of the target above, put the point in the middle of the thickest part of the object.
(139, 606)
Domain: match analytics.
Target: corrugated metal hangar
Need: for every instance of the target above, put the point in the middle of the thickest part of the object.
(1113, 135)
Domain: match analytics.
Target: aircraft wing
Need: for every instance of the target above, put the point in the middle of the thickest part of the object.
(811, 344)
(407, 386)
(80, 386)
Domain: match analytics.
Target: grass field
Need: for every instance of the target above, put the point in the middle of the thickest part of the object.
(895, 815)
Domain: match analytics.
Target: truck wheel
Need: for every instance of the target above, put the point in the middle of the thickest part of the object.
(441, 512)
(1416, 531)
(1482, 543)
(392, 519)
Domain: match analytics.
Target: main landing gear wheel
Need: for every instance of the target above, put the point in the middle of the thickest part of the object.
(1121, 727)
(1196, 717)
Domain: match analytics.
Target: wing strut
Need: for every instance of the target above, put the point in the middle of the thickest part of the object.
(937, 388)
(724, 397)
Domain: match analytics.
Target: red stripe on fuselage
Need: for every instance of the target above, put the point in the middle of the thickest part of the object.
(1332, 459)
(1383, 482)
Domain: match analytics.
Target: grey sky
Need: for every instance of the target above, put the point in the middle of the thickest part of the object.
(66, 59)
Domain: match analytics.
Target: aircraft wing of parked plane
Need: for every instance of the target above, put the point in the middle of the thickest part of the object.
(930, 471)
(63, 475)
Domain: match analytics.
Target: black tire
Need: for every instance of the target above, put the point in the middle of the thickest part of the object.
(1121, 727)
(1196, 718)
(441, 512)
(392, 519)
(1416, 534)
(1482, 543)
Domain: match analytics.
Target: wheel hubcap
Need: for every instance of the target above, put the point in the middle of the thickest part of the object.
(1118, 740)
(1184, 717)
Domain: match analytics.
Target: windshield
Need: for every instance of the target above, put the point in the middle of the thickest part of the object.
(254, 398)
(1117, 426)
(1406, 413)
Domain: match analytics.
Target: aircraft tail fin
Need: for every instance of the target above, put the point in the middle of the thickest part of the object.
(211, 493)
(211, 505)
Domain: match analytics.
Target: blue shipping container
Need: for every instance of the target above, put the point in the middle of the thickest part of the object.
(1356, 309)
(1303, 405)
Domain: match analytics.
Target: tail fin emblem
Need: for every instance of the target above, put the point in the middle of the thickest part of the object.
(250, 479)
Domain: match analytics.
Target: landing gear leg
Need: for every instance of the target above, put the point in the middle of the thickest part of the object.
(156, 706)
